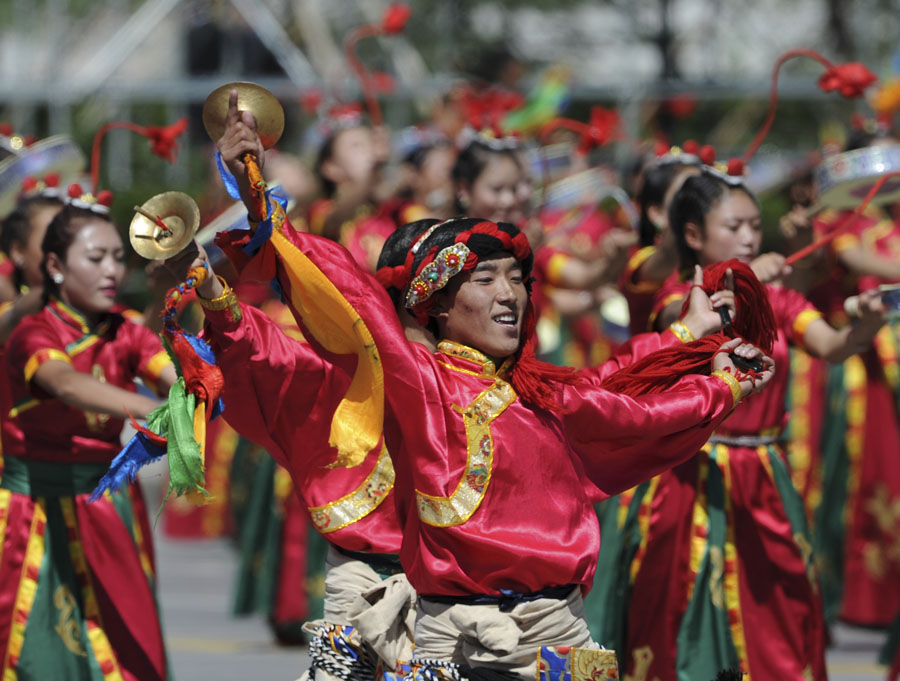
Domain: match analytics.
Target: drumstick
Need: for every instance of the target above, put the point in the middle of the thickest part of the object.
(816, 245)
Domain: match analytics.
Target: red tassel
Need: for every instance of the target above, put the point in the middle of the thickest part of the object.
(754, 322)
(662, 369)
(537, 382)
(754, 318)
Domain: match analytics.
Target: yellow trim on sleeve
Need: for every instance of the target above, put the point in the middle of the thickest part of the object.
(156, 364)
(845, 242)
(733, 383)
(668, 300)
(802, 322)
(637, 259)
(41, 356)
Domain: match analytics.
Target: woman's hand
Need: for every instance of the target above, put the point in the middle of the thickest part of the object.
(194, 255)
(702, 317)
(770, 266)
(723, 362)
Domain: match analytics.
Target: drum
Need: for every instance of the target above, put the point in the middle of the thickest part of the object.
(843, 180)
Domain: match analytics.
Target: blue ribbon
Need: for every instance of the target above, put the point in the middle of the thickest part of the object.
(231, 185)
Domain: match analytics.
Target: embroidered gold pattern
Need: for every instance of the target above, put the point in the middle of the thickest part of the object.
(591, 664)
(643, 658)
(477, 417)
(67, 628)
(360, 502)
(97, 422)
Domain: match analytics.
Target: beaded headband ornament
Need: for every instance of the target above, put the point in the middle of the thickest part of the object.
(689, 153)
(46, 187)
(434, 273)
(98, 204)
(730, 172)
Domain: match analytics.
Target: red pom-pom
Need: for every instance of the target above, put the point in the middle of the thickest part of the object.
(708, 154)
(660, 148)
(74, 191)
(850, 79)
(735, 167)
(29, 140)
(6, 129)
(395, 18)
(601, 128)
(51, 179)
(311, 100)
(691, 147)
(681, 106)
(164, 140)
(29, 184)
(105, 198)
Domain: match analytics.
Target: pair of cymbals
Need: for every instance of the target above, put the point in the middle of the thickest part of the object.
(166, 223)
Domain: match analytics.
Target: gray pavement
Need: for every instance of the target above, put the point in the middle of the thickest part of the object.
(206, 642)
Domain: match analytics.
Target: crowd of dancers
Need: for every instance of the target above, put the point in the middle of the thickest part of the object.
(446, 453)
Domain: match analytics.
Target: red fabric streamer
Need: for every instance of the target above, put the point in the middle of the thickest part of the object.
(849, 79)
(816, 245)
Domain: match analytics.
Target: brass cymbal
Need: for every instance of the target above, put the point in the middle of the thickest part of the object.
(180, 218)
(266, 109)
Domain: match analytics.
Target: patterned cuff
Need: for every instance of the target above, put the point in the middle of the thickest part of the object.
(227, 301)
(736, 390)
(683, 332)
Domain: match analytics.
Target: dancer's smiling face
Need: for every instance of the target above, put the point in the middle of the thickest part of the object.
(483, 308)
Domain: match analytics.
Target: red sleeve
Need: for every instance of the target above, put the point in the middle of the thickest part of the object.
(672, 289)
(624, 441)
(32, 343)
(794, 313)
(319, 210)
(278, 392)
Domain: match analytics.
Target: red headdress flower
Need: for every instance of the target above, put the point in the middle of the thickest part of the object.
(393, 22)
(602, 128)
(485, 111)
